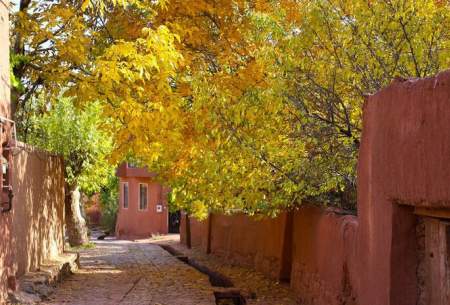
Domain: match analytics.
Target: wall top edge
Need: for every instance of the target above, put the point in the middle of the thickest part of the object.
(5, 3)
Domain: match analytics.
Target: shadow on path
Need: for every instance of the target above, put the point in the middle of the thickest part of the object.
(118, 272)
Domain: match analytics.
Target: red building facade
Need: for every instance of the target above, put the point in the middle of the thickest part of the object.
(143, 208)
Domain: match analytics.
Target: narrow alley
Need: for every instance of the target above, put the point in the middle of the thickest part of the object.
(224, 152)
(132, 273)
(119, 272)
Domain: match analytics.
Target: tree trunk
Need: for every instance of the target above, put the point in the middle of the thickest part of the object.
(75, 223)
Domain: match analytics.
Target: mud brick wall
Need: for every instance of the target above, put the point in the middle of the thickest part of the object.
(38, 214)
(199, 233)
(403, 185)
(324, 258)
(258, 243)
(33, 232)
(404, 164)
(5, 220)
(4, 59)
(312, 248)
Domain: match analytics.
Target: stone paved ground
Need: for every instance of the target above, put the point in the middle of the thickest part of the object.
(132, 273)
(248, 281)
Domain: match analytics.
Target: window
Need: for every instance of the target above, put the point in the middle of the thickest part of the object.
(143, 199)
(125, 195)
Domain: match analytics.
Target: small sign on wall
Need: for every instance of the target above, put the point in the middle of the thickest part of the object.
(159, 208)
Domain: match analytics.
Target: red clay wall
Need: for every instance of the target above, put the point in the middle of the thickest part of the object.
(183, 237)
(4, 59)
(32, 233)
(133, 223)
(324, 257)
(5, 220)
(248, 241)
(38, 215)
(93, 209)
(257, 243)
(318, 256)
(404, 159)
(372, 259)
(199, 233)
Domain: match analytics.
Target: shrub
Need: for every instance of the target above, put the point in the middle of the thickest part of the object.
(109, 197)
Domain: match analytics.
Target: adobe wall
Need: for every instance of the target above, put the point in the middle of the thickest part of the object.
(38, 215)
(404, 162)
(134, 223)
(4, 59)
(324, 258)
(316, 250)
(183, 234)
(32, 233)
(249, 241)
(372, 259)
(257, 243)
(199, 233)
(5, 220)
(93, 210)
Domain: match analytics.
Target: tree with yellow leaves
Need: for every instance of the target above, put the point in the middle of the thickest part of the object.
(285, 127)
(239, 105)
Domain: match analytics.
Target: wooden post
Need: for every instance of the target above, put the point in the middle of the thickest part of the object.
(208, 241)
(188, 231)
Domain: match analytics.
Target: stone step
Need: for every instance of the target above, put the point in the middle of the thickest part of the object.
(36, 286)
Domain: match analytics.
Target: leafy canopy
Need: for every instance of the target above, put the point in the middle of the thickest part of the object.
(76, 135)
(239, 105)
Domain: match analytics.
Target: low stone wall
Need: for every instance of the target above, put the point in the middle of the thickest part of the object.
(33, 232)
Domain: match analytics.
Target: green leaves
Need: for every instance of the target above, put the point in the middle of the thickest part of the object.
(242, 105)
(14, 61)
(76, 134)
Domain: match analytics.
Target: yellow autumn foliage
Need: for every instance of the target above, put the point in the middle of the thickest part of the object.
(239, 105)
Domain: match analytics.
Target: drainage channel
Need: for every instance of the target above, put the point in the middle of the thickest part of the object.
(228, 297)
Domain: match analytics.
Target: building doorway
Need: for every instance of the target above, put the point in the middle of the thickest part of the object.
(174, 222)
(433, 270)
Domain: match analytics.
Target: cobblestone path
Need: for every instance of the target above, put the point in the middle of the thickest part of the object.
(132, 273)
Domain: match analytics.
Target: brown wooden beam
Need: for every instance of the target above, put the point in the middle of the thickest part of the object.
(432, 212)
